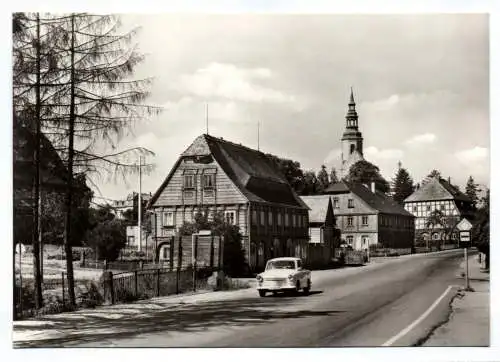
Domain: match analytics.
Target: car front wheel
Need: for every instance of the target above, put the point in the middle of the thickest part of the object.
(308, 288)
(262, 293)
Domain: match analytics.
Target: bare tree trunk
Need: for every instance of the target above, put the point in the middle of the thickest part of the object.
(36, 180)
(69, 190)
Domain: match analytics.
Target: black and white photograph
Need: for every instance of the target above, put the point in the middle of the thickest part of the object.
(250, 179)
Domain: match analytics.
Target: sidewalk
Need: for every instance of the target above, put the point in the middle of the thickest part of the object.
(469, 322)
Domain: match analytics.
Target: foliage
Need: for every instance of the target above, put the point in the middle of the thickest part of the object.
(107, 235)
(234, 256)
(291, 170)
(333, 176)
(365, 172)
(310, 183)
(322, 178)
(438, 219)
(402, 186)
(472, 190)
(480, 232)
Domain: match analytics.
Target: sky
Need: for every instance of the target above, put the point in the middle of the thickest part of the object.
(421, 84)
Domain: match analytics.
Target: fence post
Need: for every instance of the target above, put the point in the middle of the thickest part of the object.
(172, 246)
(193, 258)
(109, 297)
(211, 251)
(158, 282)
(135, 284)
(62, 278)
(179, 263)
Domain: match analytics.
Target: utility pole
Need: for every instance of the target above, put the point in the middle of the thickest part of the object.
(206, 115)
(258, 135)
(139, 206)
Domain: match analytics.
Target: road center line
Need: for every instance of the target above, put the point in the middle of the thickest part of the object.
(418, 320)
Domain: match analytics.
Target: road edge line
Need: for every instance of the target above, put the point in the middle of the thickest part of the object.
(418, 320)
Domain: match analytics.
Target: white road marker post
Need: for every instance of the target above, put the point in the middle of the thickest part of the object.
(467, 286)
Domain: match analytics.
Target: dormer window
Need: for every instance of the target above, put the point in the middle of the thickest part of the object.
(208, 181)
(350, 203)
(188, 181)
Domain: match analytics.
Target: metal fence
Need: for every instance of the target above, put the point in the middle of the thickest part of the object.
(150, 283)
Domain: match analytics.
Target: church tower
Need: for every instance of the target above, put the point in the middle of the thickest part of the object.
(352, 140)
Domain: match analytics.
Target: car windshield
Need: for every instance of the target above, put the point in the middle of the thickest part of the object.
(281, 264)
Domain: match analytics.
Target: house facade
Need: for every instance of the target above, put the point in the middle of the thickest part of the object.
(438, 194)
(246, 186)
(365, 216)
(121, 206)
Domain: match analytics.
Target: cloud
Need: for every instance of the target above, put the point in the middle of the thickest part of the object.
(472, 155)
(425, 138)
(227, 81)
(384, 104)
(387, 154)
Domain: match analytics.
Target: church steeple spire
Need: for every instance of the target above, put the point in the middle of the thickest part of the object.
(352, 116)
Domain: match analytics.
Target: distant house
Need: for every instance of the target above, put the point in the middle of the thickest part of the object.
(129, 203)
(243, 184)
(437, 194)
(364, 215)
(321, 218)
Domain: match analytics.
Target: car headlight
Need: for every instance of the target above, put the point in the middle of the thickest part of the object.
(259, 278)
(290, 277)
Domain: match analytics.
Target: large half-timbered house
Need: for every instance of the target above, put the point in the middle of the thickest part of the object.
(220, 176)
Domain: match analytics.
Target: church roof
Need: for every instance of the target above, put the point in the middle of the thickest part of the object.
(254, 173)
(437, 189)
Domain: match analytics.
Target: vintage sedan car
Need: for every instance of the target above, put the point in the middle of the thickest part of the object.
(282, 275)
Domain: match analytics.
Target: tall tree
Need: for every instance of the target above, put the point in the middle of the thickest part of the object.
(433, 174)
(310, 183)
(93, 101)
(322, 178)
(472, 190)
(402, 185)
(333, 176)
(365, 172)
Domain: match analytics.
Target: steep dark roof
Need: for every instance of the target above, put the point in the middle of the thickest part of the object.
(437, 189)
(53, 173)
(255, 174)
(378, 200)
(337, 188)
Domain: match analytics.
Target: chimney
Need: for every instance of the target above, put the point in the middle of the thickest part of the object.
(449, 179)
(373, 186)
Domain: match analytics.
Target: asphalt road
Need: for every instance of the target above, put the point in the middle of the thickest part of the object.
(366, 308)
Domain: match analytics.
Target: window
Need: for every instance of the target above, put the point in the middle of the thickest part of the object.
(270, 218)
(365, 220)
(168, 219)
(294, 220)
(350, 240)
(189, 181)
(208, 181)
(130, 241)
(287, 219)
(350, 203)
(364, 239)
(336, 203)
(349, 221)
(230, 217)
(428, 208)
(254, 217)
(442, 207)
(278, 216)
(415, 209)
(262, 218)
